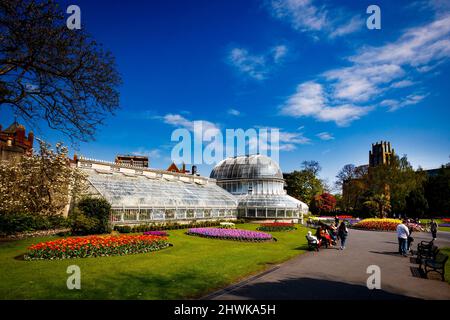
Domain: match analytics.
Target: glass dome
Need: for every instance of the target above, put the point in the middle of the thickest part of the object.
(258, 183)
(247, 167)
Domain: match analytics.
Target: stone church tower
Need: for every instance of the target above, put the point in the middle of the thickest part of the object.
(381, 153)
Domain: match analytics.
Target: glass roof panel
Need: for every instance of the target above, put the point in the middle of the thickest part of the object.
(124, 191)
(247, 167)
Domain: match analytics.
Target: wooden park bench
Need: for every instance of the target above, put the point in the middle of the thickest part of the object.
(426, 250)
(424, 245)
(437, 265)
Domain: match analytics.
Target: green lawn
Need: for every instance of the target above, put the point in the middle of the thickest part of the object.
(447, 265)
(191, 268)
(438, 221)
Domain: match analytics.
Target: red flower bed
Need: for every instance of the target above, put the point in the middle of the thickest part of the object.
(278, 224)
(95, 246)
(343, 217)
(446, 219)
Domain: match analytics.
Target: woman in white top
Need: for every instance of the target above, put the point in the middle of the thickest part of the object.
(312, 239)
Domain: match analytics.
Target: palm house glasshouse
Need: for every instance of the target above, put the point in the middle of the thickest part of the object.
(248, 186)
(141, 195)
(258, 184)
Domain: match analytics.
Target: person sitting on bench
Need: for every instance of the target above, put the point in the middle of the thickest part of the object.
(323, 236)
(313, 239)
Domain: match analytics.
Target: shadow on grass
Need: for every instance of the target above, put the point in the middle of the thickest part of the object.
(308, 289)
(152, 286)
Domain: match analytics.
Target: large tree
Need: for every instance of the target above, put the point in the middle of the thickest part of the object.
(305, 184)
(43, 183)
(396, 179)
(49, 72)
(324, 203)
(352, 179)
(437, 192)
(416, 203)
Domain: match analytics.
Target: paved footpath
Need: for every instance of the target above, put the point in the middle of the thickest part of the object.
(336, 274)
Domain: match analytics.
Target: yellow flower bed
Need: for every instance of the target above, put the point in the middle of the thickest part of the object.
(378, 224)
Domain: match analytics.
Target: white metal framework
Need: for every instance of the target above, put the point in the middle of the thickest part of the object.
(145, 195)
(258, 183)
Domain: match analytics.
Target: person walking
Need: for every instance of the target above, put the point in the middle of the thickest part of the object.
(402, 235)
(342, 234)
(433, 228)
(336, 220)
(410, 238)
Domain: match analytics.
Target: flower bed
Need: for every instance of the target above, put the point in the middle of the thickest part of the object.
(446, 219)
(444, 225)
(156, 233)
(383, 224)
(378, 224)
(276, 226)
(230, 234)
(95, 246)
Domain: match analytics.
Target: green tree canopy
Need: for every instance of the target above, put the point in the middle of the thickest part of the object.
(416, 203)
(396, 179)
(305, 184)
(437, 192)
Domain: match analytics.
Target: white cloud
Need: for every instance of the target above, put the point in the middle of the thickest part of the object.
(394, 104)
(402, 84)
(177, 120)
(325, 136)
(234, 112)
(355, 24)
(306, 16)
(417, 47)
(310, 100)
(257, 66)
(287, 141)
(252, 65)
(302, 14)
(279, 52)
(361, 82)
(345, 94)
(151, 153)
(293, 138)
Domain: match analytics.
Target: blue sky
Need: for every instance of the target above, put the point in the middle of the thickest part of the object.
(310, 68)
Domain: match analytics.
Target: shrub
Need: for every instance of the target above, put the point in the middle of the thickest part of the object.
(83, 225)
(95, 246)
(11, 223)
(276, 226)
(123, 229)
(99, 209)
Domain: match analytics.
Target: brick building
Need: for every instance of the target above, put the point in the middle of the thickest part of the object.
(14, 142)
